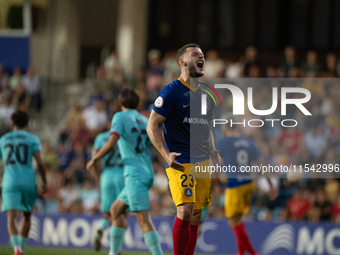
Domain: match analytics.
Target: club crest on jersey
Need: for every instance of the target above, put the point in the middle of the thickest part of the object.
(159, 102)
(188, 192)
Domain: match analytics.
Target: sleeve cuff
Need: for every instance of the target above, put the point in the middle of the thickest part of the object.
(115, 133)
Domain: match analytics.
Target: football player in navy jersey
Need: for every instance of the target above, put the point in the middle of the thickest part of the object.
(238, 151)
(185, 143)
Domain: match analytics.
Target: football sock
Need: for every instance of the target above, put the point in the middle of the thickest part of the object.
(239, 239)
(14, 240)
(193, 239)
(152, 241)
(116, 239)
(246, 240)
(103, 224)
(22, 241)
(181, 236)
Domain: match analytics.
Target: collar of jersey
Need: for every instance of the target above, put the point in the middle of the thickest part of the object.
(188, 86)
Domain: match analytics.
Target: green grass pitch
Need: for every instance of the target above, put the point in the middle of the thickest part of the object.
(8, 250)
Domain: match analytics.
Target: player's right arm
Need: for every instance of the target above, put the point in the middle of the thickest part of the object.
(154, 130)
(110, 144)
(41, 169)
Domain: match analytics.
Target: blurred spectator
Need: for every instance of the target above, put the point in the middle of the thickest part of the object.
(101, 80)
(311, 67)
(290, 61)
(250, 58)
(313, 183)
(214, 66)
(234, 69)
(160, 180)
(95, 117)
(67, 197)
(31, 84)
(15, 79)
(320, 208)
(91, 197)
(290, 139)
(96, 95)
(171, 67)
(76, 170)
(20, 100)
(3, 78)
(113, 68)
(254, 71)
(154, 73)
(64, 156)
(316, 141)
(294, 72)
(331, 64)
(278, 205)
(6, 110)
(298, 205)
(332, 189)
(50, 157)
(79, 134)
(73, 118)
(270, 72)
(335, 211)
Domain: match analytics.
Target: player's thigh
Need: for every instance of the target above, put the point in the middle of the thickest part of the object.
(238, 200)
(202, 185)
(11, 199)
(29, 197)
(247, 194)
(135, 193)
(182, 185)
(110, 188)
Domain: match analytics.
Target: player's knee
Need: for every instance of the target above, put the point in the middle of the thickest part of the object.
(26, 216)
(234, 221)
(113, 212)
(184, 213)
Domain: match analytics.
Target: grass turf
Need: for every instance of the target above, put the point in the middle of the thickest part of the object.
(8, 250)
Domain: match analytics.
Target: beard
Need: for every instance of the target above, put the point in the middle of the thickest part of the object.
(193, 73)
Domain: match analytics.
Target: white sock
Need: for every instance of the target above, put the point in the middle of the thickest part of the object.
(112, 253)
(17, 247)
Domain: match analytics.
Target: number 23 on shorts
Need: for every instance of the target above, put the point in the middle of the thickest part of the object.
(185, 182)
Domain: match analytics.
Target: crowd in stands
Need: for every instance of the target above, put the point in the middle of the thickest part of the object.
(316, 141)
(18, 91)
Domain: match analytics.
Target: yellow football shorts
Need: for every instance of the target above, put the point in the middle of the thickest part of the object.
(190, 185)
(237, 200)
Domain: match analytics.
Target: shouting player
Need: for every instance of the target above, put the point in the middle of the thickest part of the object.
(19, 187)
(111, 180)
(238, 151)
(175, 104)
(129, 130)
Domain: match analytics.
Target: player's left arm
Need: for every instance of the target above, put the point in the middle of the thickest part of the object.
(214, 154)
(96, 169)
(41, 169)
(110, 144)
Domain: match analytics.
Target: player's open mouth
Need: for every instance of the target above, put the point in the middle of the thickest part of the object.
(200, 64)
